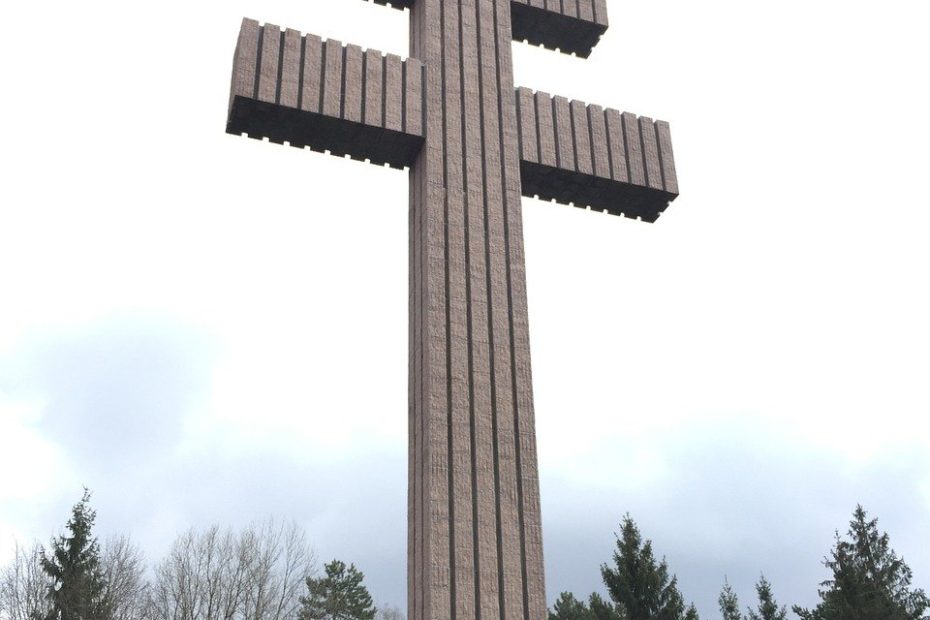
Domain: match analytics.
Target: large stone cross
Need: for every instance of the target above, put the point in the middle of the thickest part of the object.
(473, 144)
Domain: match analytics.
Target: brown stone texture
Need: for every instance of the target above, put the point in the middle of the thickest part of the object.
(570, 26)
(587, 156)
(474, 145)
(475, 533)
(325, 95)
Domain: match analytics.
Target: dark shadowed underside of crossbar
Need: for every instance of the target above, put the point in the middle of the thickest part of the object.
(338, 98)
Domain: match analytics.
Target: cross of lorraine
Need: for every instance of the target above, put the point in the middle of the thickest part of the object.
(474, 144)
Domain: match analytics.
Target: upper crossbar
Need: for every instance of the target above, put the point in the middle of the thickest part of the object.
(570, 26)
(325, 95)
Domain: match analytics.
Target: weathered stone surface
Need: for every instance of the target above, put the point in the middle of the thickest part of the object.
(571, 26)
(312, 95)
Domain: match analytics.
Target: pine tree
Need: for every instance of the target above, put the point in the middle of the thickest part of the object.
(567, 607)
(77, 584)
(768, 609)
(340, 595)
(870, 582)
(640, 586)
(729, 603)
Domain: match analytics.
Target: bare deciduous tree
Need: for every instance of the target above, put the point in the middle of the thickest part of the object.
(389, 612)
(282, 561)
(24, 586)
(256, 574)
(124, 577)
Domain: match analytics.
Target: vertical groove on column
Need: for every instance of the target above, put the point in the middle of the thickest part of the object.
(417, 604)
(384, 91)
(527, 499)
(511, 568)
(414, 400)
(343, 69)
(453, 530)
(258, 62)
(488, 118)
(280, 69)
(535, 578)
(301, 73)
(467, 86)
(405, 92)
(438, 551)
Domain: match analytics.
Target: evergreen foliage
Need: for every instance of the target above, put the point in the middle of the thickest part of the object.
(729, 603)
(639, 586)
(339, 595)
(77, 587)
(768, 608)
(870, 582)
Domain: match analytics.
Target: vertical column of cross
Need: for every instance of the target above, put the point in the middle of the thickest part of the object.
(475, 534)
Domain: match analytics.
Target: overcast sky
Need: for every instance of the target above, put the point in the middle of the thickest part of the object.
(188, 327)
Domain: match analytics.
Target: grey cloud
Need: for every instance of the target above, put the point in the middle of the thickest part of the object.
(737, 502)
(353, 508)
(115, 391)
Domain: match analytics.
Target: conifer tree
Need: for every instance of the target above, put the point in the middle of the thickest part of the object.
(768, 609)
(339, 595)
(77, 590)
(870, 582)
(729, 603)
(640, 586)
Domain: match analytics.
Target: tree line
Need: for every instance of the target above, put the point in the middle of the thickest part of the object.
(268, 572)
(262, 572)
(869, 581)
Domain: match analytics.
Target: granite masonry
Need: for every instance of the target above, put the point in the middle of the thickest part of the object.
(473, 144)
